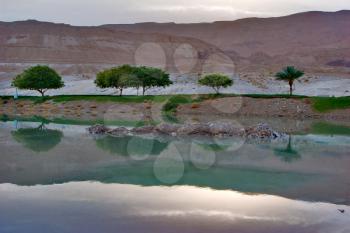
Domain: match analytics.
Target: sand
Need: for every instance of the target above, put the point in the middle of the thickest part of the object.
(321, 86)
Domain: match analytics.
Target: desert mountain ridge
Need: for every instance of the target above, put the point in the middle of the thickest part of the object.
(318, 42)
(307, 13)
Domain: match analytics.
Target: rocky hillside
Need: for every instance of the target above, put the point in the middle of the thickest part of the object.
(79, 50)
(255, 48)
(317, 41)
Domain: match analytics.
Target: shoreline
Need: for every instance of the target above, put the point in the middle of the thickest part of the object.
(155, 108)
(292, 115)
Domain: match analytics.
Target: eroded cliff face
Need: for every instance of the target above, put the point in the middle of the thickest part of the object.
(251, 49)
(315, 41)
(86, 50)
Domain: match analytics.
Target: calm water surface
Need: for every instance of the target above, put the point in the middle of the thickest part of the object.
(57, 178)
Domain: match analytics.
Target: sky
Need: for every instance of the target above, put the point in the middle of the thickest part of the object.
(97, 12)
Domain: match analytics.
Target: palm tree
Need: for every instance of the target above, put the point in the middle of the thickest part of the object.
(288, 154)
(289, 74)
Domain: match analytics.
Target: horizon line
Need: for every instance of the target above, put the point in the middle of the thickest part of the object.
(176, 23)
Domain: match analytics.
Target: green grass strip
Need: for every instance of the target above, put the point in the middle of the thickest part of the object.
(326, 104)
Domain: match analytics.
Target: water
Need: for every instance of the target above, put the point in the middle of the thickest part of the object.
(57, 178)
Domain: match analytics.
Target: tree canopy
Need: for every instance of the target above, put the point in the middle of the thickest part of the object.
(117, 77)
(129, 76)
(216, 81)
(38, 78)
(152, 77)
(289, 74)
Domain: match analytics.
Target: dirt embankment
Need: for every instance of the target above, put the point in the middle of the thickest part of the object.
(244, 109)
(79, 110)
(261, 107)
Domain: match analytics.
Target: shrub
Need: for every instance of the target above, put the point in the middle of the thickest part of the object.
(174, 102)
(216, 81)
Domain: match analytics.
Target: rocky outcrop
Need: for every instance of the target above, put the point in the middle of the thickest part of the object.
(118, 131)
(224, 128)
(166, 128)
(215, 129)
(98, 129)
(262, 131)
(143, 130)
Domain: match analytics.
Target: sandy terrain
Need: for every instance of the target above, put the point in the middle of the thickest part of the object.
(79, 110)
(321, 86)
(275, 108)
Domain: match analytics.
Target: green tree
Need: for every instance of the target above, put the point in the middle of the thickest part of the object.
(152, 77)
(131, 81)
(216, 81)
(117, 77)
(38, 78)
(129, 76)
(289, 74)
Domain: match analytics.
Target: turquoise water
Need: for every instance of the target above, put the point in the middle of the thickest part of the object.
(57, 178)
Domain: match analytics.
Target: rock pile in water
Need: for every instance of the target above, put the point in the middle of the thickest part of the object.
(219, 129)
(262, 131)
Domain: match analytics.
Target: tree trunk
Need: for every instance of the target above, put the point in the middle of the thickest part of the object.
(216, 90)
(121, 91)
(143, 91)
(42, 126)
(290, 87)
(41, 92)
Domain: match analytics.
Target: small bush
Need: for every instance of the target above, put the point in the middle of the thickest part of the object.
(216, 81)
(168, 107)
(180, 99)
(174, 102)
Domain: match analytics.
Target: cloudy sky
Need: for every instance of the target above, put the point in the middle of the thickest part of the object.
(96, 12)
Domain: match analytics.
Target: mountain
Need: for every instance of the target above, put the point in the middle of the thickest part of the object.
(41, 42)
(313, 40)
(318, 42)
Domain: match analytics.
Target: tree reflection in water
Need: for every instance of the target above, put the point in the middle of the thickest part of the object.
(288, 154)
(131, 145)
(38, 139)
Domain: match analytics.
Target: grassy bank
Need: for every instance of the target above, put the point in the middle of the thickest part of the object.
(325, 104)
(97, 98)
(320, 104)
(138, 99)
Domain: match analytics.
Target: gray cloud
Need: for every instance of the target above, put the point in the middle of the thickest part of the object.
(96, 12)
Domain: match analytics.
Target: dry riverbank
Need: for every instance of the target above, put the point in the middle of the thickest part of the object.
(80, 110)
(296, 108)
